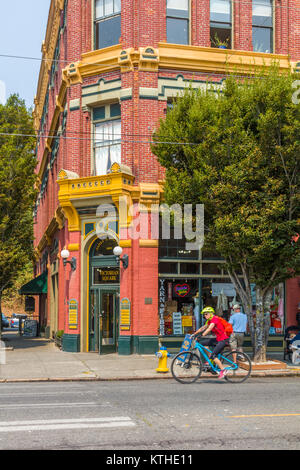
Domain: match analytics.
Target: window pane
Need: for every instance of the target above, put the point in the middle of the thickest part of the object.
(189, 268)
(177, 31)
(262, 39)
(108, 32)
(115, 110)
(262, 12)
(220, 11)
(109, 7)
(117, 7)
(178, 5)
(220, 34)
(167, 268)
(99, 11)
(101, 157)
(210, 268)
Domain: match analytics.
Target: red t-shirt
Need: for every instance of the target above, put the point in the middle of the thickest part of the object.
(218, 330)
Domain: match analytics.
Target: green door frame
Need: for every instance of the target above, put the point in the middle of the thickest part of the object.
(96, 306)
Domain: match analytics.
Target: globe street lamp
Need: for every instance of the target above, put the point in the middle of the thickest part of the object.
(117, 252)
(65, 255)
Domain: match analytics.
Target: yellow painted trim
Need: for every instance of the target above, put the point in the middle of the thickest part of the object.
(148, 243)
(71, 214)
(73, 247)
(125, 243)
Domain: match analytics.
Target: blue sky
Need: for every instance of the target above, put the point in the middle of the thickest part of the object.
(22, 30)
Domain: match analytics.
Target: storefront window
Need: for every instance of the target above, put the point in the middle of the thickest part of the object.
(177, 306)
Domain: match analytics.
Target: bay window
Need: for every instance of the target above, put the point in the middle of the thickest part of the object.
(178, 21)
(107, 23)
(262, 26)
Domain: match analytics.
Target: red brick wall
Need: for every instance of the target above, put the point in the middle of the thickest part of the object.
(292, 300)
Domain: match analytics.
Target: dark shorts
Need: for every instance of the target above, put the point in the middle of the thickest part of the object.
(217, 345)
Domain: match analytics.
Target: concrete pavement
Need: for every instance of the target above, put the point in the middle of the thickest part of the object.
(24, 359)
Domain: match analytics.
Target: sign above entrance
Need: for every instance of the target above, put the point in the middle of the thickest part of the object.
(106, 275)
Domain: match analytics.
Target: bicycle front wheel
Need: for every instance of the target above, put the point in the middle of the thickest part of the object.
(243, 370)
(186, 367)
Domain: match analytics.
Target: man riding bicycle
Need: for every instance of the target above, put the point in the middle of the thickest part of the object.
(213, 325)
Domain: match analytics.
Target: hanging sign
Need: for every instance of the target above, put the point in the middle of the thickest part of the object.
(73, 314)
(181, 289)
(125, 314)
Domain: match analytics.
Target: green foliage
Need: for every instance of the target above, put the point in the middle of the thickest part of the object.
(17, 193)
(242, 162)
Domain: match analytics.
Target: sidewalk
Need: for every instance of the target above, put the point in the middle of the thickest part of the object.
(38, 359)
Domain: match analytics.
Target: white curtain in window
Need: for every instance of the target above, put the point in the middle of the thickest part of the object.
(262, 8)
(109, 7)
(178, 5)
(99, 9)
(220, 6)
(107, 145)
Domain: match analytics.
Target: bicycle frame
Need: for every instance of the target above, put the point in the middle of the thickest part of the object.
(204, 353)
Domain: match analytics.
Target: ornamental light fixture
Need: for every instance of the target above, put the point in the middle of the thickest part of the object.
(65, 255)
(125, 259)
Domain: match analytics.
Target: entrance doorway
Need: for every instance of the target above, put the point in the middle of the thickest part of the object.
(104, 288)
(104, 320)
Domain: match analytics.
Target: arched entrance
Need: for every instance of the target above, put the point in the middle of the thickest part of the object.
(104, 288)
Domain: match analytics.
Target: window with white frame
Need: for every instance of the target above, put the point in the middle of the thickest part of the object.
(220, 23)
(178, 21)
(107, 137)
(107, 23)
(262, 26)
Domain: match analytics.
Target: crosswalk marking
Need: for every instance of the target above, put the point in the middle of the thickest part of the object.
(60, 424)
(46, 405)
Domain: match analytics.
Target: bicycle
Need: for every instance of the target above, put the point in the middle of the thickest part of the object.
(187, 366)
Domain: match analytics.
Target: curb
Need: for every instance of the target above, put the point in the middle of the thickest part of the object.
(283, 373)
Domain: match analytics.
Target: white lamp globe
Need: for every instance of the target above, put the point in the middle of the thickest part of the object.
(117, 251)
(65, 254)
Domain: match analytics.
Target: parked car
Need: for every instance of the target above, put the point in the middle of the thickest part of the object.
(15, 319)
(4, 321)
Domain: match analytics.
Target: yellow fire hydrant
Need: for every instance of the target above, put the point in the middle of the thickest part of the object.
(162, 355)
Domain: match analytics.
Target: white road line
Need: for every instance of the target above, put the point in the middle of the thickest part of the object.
(47, 405)
(60, 424)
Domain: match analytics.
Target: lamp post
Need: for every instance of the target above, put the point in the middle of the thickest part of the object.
(65, 255)
(125, 259)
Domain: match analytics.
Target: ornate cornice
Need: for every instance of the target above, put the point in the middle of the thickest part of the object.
(48, 49)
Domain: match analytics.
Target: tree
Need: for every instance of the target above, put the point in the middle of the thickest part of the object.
(17, 193)
(243, 165)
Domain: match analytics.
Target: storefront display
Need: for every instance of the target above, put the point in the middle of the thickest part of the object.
(181, 301)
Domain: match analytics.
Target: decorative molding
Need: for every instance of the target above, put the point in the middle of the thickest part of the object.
(148, 243)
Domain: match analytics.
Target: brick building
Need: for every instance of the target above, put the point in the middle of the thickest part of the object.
(110, 70)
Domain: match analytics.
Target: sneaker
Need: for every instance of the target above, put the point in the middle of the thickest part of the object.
(222, 374)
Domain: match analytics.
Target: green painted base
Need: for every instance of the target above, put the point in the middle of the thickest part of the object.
(71, 343)
(137, 345)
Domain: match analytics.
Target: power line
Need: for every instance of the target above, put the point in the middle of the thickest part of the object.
(116, 142)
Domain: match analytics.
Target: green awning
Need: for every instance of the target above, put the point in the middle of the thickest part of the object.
(36, 286)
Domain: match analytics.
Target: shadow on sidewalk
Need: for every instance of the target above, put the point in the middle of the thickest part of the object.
(12, 339)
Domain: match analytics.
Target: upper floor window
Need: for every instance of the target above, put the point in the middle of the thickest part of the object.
(107, 23)
(178, 21)
(107, 137)
(262, 26)
(220, 23)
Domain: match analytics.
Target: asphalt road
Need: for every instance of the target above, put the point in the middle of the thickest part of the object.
(157, 415)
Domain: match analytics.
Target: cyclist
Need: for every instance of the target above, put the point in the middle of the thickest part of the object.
(213, 325)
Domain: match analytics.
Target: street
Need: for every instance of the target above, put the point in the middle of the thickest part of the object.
(262, 413)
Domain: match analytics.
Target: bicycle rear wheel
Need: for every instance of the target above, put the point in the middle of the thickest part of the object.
(243, 370)
(186, 367)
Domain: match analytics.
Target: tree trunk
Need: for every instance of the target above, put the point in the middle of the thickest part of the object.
(262, 324)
